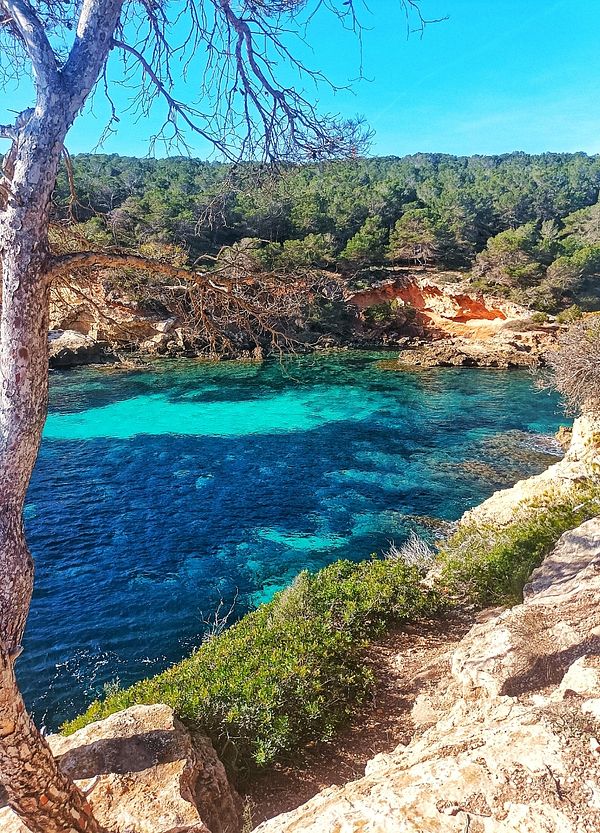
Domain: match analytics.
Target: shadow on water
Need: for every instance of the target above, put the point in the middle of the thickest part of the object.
(160, 491)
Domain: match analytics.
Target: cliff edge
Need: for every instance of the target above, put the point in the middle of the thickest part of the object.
(508, 742)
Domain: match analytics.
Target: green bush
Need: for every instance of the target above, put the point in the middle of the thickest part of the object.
(291, 671)
(569, 315)
(540, 317)
(490, 565)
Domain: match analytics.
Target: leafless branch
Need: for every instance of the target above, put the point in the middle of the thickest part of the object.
(576, 365)
(29, 29)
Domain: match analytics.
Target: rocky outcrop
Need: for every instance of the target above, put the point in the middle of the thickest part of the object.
(509, 740)
(144, 773)
(68, 348)
(110, 320)
(581, 462)
(458, 324)
(508, 349)
(437, 304)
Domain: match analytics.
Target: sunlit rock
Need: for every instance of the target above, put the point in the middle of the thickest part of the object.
(144, 773)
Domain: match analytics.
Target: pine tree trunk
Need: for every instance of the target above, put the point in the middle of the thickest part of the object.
(45, 799)
(38, 792)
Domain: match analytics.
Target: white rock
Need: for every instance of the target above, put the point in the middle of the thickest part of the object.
(146, 774)
(502, 757)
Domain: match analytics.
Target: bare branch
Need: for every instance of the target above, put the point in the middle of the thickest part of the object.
(31, 33)
(63, 264)
(576, 365)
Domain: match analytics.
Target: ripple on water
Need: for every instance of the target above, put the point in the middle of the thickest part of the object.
(159, 492)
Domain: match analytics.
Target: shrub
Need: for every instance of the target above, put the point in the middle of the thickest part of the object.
(381, 314)
(576, 365)
(567, 316)
(291, 671)
(414, 552)
(490, 565)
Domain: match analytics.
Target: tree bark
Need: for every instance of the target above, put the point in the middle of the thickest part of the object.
(43, 797)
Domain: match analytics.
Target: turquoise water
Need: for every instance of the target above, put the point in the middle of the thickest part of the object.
(160, 491)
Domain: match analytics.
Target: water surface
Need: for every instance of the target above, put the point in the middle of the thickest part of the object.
(160, 491)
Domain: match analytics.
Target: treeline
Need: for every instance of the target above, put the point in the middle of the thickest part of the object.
(526, 226)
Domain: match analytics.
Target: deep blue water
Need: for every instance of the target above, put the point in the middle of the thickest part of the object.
(160, 491)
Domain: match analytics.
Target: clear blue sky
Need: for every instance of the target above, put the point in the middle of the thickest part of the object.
(494, 77)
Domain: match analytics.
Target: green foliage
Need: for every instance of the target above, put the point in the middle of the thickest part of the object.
(291, 671)
(490, 564)
(540, 318)
(313, 250)
(331, 316)
(582, 228)
(387, 313)
(368, 244)
(530, 224)
(456, 203)
(421, 237)
(569, 315)
(540, 266)
(512, 257)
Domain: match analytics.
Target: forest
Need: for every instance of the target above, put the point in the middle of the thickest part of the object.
(523, 226)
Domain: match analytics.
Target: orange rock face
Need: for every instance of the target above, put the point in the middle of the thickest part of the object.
(435, 303)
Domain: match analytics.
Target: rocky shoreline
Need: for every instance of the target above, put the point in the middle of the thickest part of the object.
(508, 740)
(503, 735)
(428, 324)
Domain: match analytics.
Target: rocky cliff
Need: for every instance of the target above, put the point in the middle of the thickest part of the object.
(458, 325)
(143, 772)
(509, 740)
(441, 323)
(92, 325)
(581, 459)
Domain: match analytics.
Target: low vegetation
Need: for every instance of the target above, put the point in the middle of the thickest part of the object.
(486, 565)
(291, 671)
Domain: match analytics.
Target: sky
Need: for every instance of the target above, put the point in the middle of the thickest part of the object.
(493, 77)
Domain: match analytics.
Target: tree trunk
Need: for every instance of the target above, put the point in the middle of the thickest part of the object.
(45, 799)
(38, 792)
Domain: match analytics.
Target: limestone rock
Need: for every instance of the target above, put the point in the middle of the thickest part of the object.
(564, 435)
(461, 326)
(68, 348)
(146, 774)
(579, 463)
(514, 743)
(464, 352)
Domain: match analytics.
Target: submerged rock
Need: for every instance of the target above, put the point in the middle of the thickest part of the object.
(145, 773)
(508, 742)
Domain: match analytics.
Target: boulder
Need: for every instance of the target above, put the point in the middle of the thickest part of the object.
(508, 742)
(68, 348)
(145, 773)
